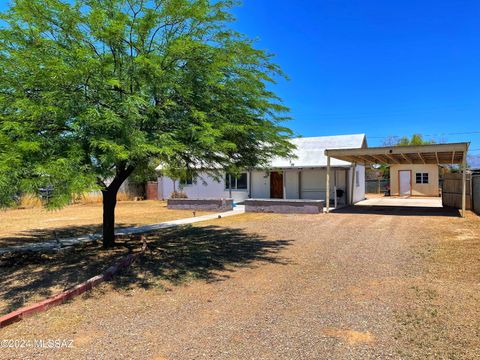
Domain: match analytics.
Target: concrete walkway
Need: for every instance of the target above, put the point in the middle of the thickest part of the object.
(69, 242)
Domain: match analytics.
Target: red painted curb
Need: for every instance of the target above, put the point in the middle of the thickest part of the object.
(60, 298)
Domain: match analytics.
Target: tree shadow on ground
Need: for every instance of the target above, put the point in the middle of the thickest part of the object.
(174, 256)
(51, 234)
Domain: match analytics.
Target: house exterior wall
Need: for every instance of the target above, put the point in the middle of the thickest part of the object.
(430, 189)
(291, 184)
(260, 185)
(310, 185)
(203, 187)
(313, 184)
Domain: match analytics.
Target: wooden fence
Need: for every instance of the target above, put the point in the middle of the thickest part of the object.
(476, 193)
(452, 191)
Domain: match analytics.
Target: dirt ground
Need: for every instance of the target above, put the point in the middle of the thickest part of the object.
(354, 284)
(19, 226)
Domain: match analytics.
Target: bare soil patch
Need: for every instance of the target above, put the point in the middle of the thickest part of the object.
(339, 285)
(174, 256)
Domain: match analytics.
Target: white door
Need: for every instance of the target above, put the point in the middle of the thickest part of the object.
(405, 182)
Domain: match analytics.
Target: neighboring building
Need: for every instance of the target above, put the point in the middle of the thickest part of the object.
(302, 177)
(414, 180)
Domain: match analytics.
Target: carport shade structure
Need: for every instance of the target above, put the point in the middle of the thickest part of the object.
(440, 154)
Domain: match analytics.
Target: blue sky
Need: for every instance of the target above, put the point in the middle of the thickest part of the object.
(380, 67)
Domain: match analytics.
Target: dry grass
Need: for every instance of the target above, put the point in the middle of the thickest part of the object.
(92, 198)
(28, 201)
(33, 224)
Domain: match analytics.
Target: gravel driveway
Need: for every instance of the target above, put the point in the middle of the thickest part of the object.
(340, 285)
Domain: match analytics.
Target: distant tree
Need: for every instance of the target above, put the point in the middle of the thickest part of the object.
(176, 171)
(91, 91)
(416, 139)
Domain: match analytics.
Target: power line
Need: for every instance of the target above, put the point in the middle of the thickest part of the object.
(431, 135)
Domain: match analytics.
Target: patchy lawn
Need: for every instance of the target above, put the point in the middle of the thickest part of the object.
(18, 226)
(339, 285)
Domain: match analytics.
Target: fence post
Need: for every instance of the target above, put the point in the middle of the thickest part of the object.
(327, 195)
(475, 193)
(464, 184)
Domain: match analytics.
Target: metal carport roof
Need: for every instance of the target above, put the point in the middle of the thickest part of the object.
(449, 153)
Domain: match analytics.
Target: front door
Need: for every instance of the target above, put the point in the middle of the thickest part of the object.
(276, 185)
(405, 182)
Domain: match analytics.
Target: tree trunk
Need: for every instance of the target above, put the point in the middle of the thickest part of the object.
(109, 203)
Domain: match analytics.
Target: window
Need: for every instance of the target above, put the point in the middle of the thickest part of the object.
(357, 180)
(242, 181)
(421, 178)
(188, 180)
(238, 182)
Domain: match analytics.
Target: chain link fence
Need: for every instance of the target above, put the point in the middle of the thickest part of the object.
(376, 186)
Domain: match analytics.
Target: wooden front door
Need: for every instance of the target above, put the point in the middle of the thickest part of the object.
(276, 185)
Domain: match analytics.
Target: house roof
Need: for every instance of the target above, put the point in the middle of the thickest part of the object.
(310, 151)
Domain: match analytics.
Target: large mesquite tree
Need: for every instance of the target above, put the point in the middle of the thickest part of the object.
(94, 90)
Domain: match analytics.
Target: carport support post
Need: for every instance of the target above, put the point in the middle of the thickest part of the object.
(464, 184)
(352, 189)
(327, 195)
(230, 186)
(335, 188)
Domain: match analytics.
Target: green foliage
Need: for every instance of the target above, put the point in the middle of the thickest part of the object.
(93, 90)
(144, 173)
(416, 139)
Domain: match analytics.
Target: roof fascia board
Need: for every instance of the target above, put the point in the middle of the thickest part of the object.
(388, 150)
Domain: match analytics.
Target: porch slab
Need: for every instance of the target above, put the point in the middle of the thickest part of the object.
(284, 206)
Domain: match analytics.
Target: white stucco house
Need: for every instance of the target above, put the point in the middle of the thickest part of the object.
(302, 177)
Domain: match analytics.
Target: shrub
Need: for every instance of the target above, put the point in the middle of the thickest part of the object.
(178, 195)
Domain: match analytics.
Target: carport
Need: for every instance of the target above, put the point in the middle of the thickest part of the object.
(439, 154)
